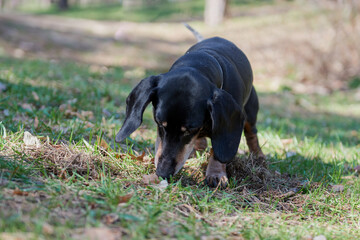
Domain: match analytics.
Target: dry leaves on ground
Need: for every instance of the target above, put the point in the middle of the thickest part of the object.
(125, 198)
(99, 233)
(18, 192)
(17, 236)
(337, 188)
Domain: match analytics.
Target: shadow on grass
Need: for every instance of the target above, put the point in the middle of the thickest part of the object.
(49, 38)
(285, 115)
(168, 11)
(162, 12)
(37, 89)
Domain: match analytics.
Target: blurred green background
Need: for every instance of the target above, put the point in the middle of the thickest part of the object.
(305, 54)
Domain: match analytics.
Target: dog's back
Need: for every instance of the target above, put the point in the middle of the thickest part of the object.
(225, 61)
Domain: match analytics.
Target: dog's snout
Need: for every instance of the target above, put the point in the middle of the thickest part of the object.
(163, 174)
(165, 168)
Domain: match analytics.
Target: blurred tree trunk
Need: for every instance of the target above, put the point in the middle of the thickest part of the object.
(215, 11)
(63, 4)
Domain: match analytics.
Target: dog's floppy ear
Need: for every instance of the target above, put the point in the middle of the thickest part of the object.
(136, 103)
(227, 125)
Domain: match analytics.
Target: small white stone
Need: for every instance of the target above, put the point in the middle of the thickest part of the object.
(320, 237)
(163, 184)
(31, 140)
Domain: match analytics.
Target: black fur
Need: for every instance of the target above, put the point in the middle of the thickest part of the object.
(206, 91)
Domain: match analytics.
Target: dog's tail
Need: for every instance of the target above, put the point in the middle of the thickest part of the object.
(198, 36)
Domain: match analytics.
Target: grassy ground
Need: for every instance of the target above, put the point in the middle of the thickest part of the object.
(310, 148)
(77, 183)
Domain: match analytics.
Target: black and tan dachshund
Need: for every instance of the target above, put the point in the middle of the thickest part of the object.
(207, 92)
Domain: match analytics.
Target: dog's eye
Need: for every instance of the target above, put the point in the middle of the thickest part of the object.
(162, 124)
(188, 131)
(185, 131)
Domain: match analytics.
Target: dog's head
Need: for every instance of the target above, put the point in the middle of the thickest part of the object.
(185, 106)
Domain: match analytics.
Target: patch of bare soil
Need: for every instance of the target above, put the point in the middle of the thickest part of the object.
(260, 186)
(255, 184)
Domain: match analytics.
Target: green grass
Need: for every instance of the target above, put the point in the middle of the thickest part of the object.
(325, 144)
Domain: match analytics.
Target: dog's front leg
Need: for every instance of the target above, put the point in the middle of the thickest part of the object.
(216, 172)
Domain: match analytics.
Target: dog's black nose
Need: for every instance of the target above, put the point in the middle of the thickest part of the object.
(163, 174)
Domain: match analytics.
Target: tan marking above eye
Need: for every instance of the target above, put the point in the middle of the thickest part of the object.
(183, 129)
(164, 124)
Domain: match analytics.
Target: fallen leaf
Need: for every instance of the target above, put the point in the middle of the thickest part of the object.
(57, 146)
(47, 229)
(150, 179)
(16, 236)
(86, 115)
(64, 107)
(63, 174)
(138, 158)
(119, 155)
(18, 192)
(126, 198)
(88, 124)
(36, 122)
(72, 101)
(337, 188)
(70, 112)
(241, 151)
(287, 195)
(165, 230)
(3, 87)
(350, 177)
(211, 238)
(3, 182)
(99, 233)
(26, 106)
(19, 53)
(6, 112)
(162, 185)
(290, 154)
(31, 140)
(287, 141)
(106, 112)
(110, 218)
(35, 96)
(103, 143)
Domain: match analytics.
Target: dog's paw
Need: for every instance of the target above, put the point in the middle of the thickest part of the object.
(217, 180)
(261, 158)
